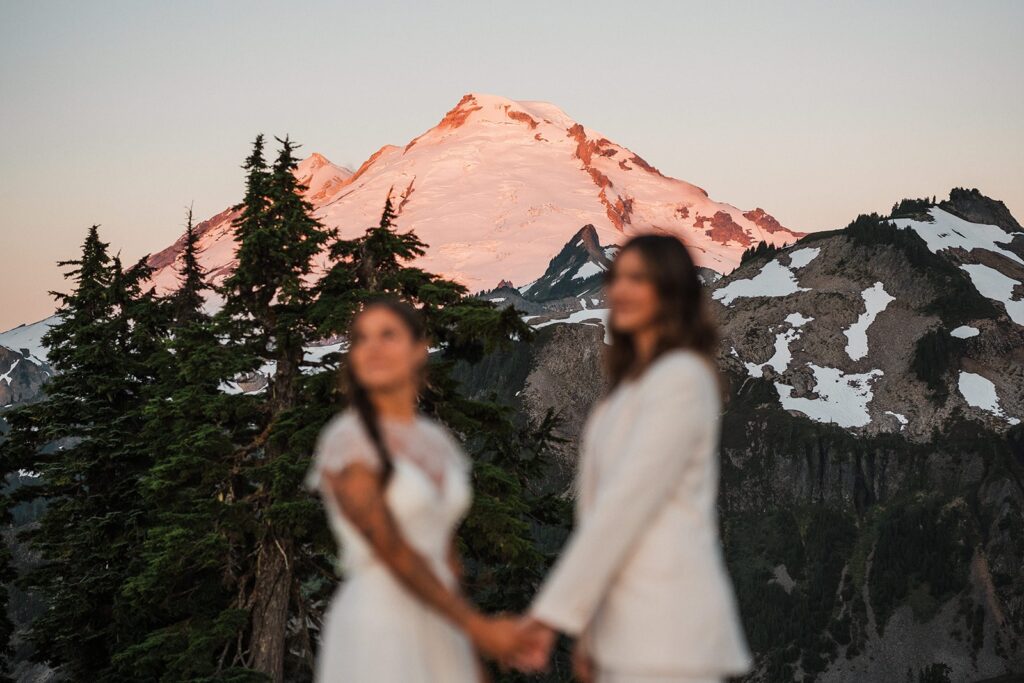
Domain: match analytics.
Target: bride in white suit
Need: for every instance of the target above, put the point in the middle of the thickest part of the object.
(642, 583)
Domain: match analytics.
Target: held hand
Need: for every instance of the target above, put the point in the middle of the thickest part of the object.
(498, 638)
(582, 664)
(534, 653)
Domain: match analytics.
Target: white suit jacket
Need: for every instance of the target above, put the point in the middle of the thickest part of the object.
(643, 573)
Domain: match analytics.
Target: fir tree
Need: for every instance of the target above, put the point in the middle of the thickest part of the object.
(192, 279)
(761, 249)
(268, 310)
(7, 575)
(186, 577)
(80, 438)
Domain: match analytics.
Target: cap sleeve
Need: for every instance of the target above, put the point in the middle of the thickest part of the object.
(342, 441)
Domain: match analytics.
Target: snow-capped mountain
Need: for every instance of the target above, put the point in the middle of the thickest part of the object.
(496, 188)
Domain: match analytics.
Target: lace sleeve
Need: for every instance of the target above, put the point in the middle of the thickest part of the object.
(342, 441)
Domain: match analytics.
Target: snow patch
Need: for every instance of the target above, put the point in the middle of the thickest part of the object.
(843, 399)
(994, 285)
(801, 257)
(780, 359)
(774, 279)
(798, 319)
(315, 354)
(875, 301)
(585, 317)
(965, 332)
(6, 377)
(588, 269)
(902, 419)
(980, 392)
(947, 231)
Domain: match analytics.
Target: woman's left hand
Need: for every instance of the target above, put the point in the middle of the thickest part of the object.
(534, 653)
(498, 638)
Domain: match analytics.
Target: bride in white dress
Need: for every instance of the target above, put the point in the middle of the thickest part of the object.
(395, 485)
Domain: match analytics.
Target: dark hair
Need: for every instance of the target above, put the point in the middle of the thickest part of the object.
(358, 396)
(683, 313)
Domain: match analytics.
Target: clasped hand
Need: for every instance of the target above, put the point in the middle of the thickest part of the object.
(522, 643)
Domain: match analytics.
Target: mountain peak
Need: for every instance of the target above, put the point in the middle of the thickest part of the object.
(495, 109)
(497, 185)
(575, 269)
(322, 177)
(587, 238)
(972, 205)
(317, 159)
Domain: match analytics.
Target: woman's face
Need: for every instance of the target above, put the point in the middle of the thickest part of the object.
(631, 295)
(383, 353)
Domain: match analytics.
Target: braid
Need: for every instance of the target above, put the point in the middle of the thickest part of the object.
(360, 400)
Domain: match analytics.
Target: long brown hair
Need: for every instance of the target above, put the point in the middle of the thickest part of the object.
(683, 318)
(357, 395)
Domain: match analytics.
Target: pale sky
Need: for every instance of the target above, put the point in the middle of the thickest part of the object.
(122, 113)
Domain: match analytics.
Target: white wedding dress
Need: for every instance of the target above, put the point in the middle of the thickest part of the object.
(375, 630)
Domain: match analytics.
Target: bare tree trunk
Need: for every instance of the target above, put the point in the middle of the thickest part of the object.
(270, 606)
(272, 584)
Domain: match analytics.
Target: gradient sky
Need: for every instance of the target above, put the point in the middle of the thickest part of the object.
(122, 113)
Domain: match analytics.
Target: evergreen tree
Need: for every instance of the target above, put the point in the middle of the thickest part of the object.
(80, 439)
(192, 279)
(186, 577)
(761, 249)
(268, 302)
(7, 575)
